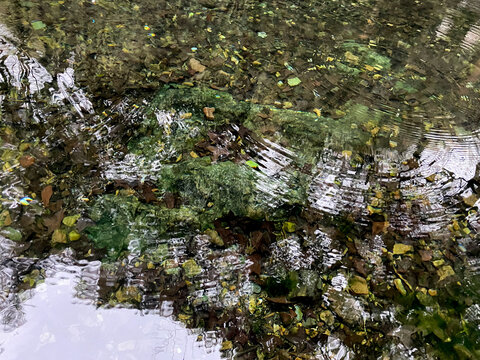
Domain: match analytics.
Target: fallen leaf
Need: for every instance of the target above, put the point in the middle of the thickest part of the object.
(252, 164)
(226, 345)
(53, 222)
(59, 236)
(208, 111)
(358, 285)
(47, 193)
(379, 227)
(196, 65)
(26, 161)
(399, 249)
(70, 220)
(399, 285)
(426, 255)
(73, 235)
(445, 272)
(294, 81)
(289, 226)
(214, 238)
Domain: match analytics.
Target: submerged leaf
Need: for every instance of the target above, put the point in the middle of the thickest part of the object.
(252, 164)
(191, 268)
(399, 249)
(70, 220)
(37, 25)
(294, 81)
(47, 193)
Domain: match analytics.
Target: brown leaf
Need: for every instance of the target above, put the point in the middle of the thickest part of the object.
(196, 65)
(47, 193)
(169, 200)
(53, 222)
(255, 266)
(359, 265)
(208, 111)
(426, 255)
(148, 194)
(279, 300)
(379, 227)
(26, 161)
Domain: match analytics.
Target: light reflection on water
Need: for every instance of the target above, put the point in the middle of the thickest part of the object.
(58, 324)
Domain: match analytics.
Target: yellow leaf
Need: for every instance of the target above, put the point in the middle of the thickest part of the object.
(70, 220)
(289, 226)
(400, 287)
(351, 58)
(59, 236)
(346, 153)
(73, 235)
(445, 272)
(226, 345)
(399, 249)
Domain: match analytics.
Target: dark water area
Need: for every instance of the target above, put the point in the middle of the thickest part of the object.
(239, 179)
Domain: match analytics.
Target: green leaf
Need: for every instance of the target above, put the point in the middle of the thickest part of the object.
(294, 81)
(252, 164)
(12, 234)
(73, 235)
(37, 25)
(70, 220)
(191, 268)
(299, 313)
(289, 226)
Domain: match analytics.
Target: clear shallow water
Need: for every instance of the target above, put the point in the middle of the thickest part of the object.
(328, 209)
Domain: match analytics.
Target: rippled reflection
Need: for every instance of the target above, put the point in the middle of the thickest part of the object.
(57, 320)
